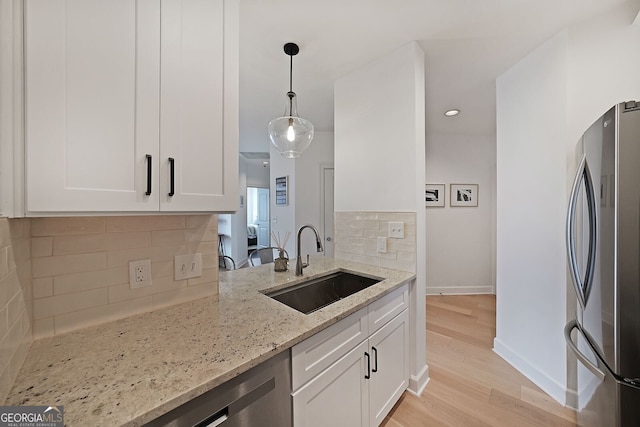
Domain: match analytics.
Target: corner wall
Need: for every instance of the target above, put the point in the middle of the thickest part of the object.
(545, 102)
(380, 167)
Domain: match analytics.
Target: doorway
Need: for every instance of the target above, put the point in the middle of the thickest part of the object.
(258, 218)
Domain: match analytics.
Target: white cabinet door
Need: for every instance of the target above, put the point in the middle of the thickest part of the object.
(117, 88)
(339, 396)
(91, 78)
(389, 366)
(199, 113)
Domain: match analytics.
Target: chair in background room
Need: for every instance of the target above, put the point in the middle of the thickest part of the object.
(265, 255)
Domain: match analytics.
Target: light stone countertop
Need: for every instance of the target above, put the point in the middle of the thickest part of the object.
(130, 371)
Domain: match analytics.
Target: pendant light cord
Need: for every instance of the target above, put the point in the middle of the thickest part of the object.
(290, 94)
(291, 73)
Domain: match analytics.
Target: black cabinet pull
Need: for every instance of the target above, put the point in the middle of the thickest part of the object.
(375, 359)
(368, 374)
(172, 173)
(148, 192)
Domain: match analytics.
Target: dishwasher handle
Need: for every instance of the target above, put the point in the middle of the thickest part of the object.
(239, 404)
(216, 419)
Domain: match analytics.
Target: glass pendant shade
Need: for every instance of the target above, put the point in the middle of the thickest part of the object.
(290, 134)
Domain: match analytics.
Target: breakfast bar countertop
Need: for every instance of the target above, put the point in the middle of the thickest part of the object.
(130, 371)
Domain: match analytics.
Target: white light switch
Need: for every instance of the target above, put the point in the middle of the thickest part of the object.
(187, 266)
(382, 245)
(396, 230)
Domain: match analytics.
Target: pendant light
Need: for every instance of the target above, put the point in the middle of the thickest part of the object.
(291, 134)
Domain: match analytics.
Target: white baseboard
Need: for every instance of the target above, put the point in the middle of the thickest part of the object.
(417, 383)
(460, 290)
(548, 385)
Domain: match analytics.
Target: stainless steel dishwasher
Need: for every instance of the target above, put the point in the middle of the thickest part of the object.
(258, 397)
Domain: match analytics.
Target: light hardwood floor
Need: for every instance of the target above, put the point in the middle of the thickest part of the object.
(470, 385)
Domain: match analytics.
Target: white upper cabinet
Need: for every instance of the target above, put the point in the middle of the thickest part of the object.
(114, 89)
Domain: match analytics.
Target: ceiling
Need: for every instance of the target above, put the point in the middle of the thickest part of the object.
(467, 44)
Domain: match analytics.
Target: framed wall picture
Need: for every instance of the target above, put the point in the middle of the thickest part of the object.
(434, 195)
(463, 195)
(282, 188)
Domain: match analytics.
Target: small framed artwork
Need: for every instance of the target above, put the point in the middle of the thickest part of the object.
(282, 198)
(434, 195)
(464, 195)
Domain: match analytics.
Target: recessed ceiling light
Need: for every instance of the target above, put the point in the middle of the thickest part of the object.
(451, 113)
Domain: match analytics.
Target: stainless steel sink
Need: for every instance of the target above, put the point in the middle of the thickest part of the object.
(314, 294)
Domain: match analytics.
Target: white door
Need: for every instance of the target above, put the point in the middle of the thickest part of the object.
(339, 396)
(264, 233)
(389, 366)
(328, 210)
(198, 162)
(92, 72)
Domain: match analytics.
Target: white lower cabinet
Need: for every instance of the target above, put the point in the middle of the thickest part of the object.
(389, 366)
(339, 396)
(353, 383)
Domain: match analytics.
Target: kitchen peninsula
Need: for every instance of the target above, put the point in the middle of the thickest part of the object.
(129, 372)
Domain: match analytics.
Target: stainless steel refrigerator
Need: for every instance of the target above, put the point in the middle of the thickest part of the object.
(603, 245)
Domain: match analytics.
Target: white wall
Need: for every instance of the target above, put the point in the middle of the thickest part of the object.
(531, 176)
(544, 103)
(460, 244)
(375, 117)
(380, 160)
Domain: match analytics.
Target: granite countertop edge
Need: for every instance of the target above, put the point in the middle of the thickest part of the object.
(133, 370)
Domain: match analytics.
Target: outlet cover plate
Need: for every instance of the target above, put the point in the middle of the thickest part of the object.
(187, 266)
(396, 230)
(140, 273)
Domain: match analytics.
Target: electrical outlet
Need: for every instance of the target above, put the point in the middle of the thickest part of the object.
(396, 230)
(382, 245)
(187, 266)
(140, 273)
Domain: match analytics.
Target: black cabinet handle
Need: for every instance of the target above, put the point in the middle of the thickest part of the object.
(368, 374)
(148, 192)
(375, 359)
(172, 173)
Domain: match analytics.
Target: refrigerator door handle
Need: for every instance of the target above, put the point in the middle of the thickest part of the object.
(595, 370)
(582, 288)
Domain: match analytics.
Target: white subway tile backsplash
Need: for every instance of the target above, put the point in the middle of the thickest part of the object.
(85, 281)
(78, 282)
(42, 287)
(66, 226)
(77, 244)
(168, 238)
(145, 223)
(94, 316)
(59, 304)
(61, 274)
(43, 328)
(64, 264)
(41, 247)
(356, 236)
(162, 284)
